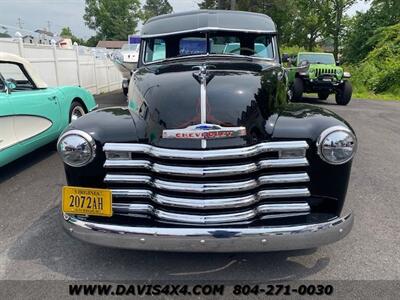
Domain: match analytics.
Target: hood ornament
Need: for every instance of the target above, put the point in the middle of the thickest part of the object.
(202, 76)
(204, 131)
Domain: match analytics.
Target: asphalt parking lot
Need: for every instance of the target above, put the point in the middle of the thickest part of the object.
(34, 246)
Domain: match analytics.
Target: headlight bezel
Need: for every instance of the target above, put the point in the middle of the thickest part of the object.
(85, 136)
(326, 133)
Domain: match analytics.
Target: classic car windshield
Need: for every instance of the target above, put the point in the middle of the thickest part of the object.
(13, 73)
(218, 43)
(2, 85)
(317, 58)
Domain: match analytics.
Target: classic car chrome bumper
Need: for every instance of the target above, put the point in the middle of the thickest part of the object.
(94, 108)
(257, 239)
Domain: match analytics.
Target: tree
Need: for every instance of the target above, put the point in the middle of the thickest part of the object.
(208, 4)
(388, 11)
(281, 11)
(154, 8)
(379, 71)
(92, 41)
(66, 32)
(112, 19)
(362, 27)
(215, 4)
(307, 26)
(332, 12)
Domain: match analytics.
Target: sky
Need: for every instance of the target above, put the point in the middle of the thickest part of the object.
(35, 14)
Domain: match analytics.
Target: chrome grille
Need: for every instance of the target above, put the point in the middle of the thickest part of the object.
(210, 203)
(214, 171)
(267, 180)
(266, 210)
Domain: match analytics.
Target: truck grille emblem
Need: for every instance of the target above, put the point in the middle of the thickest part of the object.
(204, 131)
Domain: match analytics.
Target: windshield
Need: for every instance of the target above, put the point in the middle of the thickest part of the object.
(13, 73)
(2, 84)
(317, 58)
(261, 50)
(218, 43)
(130, 47)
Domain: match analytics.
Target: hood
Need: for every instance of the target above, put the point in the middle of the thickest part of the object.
(324, 66)
(238, 94)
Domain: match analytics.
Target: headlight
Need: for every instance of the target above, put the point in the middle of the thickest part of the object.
(339, 73)
(337, 145)
(76, 148)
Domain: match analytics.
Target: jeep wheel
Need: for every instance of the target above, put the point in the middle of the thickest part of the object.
(323, 95)
(343, 96)
(297, 89)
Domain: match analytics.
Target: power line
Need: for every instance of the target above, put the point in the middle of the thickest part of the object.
(5, 26)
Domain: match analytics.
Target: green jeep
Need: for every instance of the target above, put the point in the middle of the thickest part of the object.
(311, 72)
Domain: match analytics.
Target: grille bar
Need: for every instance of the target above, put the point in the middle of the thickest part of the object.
(234, 153)
(270, 210)
(207, 187)
(215, 203)
(153, 182)
(325, 72)
(214, 171)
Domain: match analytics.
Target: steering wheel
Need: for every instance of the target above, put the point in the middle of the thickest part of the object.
(242, 48)
(12, 80)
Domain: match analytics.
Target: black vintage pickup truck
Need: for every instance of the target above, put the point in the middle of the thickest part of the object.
(209, 154)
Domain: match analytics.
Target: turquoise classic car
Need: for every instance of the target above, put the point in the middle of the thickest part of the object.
(31, 113)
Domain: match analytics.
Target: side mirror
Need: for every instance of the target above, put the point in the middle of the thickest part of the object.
(338, 62)
(10, 85)
(285, 57)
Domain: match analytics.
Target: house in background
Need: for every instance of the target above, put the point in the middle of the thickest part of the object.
(65, 43)
(29, 39)
(111, 44)
(5, 33)
(45, 37)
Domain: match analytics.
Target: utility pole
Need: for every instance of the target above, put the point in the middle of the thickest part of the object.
(19, 23)
(48, 26)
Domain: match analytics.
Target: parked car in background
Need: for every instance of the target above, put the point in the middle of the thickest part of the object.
(209, 155)
(126, 60)
(32, 114)
(312, 72)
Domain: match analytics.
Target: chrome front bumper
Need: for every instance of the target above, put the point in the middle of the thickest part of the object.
(257, 239)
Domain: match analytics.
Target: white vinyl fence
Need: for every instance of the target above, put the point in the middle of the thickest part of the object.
(78, 66)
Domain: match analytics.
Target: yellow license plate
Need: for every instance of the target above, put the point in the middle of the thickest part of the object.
(87, 201)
